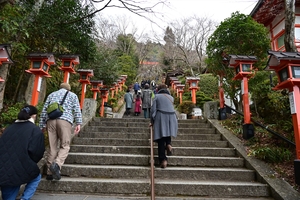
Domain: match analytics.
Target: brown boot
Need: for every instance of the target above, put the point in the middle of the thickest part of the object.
(169, 150)
(163, 164)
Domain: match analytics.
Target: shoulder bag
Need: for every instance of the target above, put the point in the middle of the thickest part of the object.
(55, 110)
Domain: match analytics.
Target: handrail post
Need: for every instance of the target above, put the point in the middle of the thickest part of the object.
(152, 165)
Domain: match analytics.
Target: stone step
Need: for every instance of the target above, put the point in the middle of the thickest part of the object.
(76, 196)
(101, 119)
(224, 189)
(145, 129)
(112, 157)
(142, 142)
(145, 150)
(143, 160)
(143, 124)
(195, 136)
(186, 173)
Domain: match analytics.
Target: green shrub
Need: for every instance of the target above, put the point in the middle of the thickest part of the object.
(201, 98)
(209, 86)
(112, 102)
(10, 114)
(272, 154)
(176, 101)
(186, 107)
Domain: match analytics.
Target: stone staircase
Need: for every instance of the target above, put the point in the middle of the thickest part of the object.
(112, 157)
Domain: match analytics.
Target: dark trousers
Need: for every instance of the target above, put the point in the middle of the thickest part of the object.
(127, 112)
(161, 147)
(146, 113)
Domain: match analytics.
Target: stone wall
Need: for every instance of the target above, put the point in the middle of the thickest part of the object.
(211, 110)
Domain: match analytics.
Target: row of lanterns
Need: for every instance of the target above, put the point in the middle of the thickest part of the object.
(68, 66)
(287, 67)
(40, 64)
(179, 88)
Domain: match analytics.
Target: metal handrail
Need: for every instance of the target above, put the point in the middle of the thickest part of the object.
(152, 164)
(265, 127)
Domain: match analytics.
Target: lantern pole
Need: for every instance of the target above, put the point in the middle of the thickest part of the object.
(104, 93)
(222, 109)
(85, 75)
(243, 68)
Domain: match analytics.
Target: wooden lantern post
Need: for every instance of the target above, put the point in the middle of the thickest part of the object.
(244, 71)
(222, 109)
(4, 56)
(193, 86)
(287, 67)
(112, 89)
(104, 96)
(120, 82)
(117, 86)
(180, 89)
(175, 87)
(85, 75)
(95, 87)
(124, 77)
(172, 79)
(39, 66)
(69, 63)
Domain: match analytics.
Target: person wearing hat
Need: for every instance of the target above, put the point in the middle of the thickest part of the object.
(60, 129)
(22, 146)
(136, 87)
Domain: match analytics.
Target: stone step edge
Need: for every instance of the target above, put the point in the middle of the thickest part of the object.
(169, 168)
(66, 179)
(147, 147)
(139, 197)
(148, 156)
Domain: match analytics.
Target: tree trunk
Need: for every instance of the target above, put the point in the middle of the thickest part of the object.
(289, 38)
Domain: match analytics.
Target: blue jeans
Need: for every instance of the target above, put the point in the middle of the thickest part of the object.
(11, 192)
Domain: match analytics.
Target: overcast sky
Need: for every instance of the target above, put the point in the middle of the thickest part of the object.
(217, 10)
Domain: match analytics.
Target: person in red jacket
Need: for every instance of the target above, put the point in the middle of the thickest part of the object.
(22, 146)
(138, 104)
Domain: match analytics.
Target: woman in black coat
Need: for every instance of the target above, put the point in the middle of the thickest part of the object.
(21, 148)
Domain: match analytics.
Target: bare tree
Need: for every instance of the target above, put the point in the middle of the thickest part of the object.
(191, 35)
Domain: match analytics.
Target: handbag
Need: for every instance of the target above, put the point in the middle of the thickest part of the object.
(55, 110)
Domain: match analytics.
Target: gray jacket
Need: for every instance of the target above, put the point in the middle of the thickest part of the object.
(163, 116)
(146, 98)
(128, 98)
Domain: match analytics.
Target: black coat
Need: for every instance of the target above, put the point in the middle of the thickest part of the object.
(21, 148)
